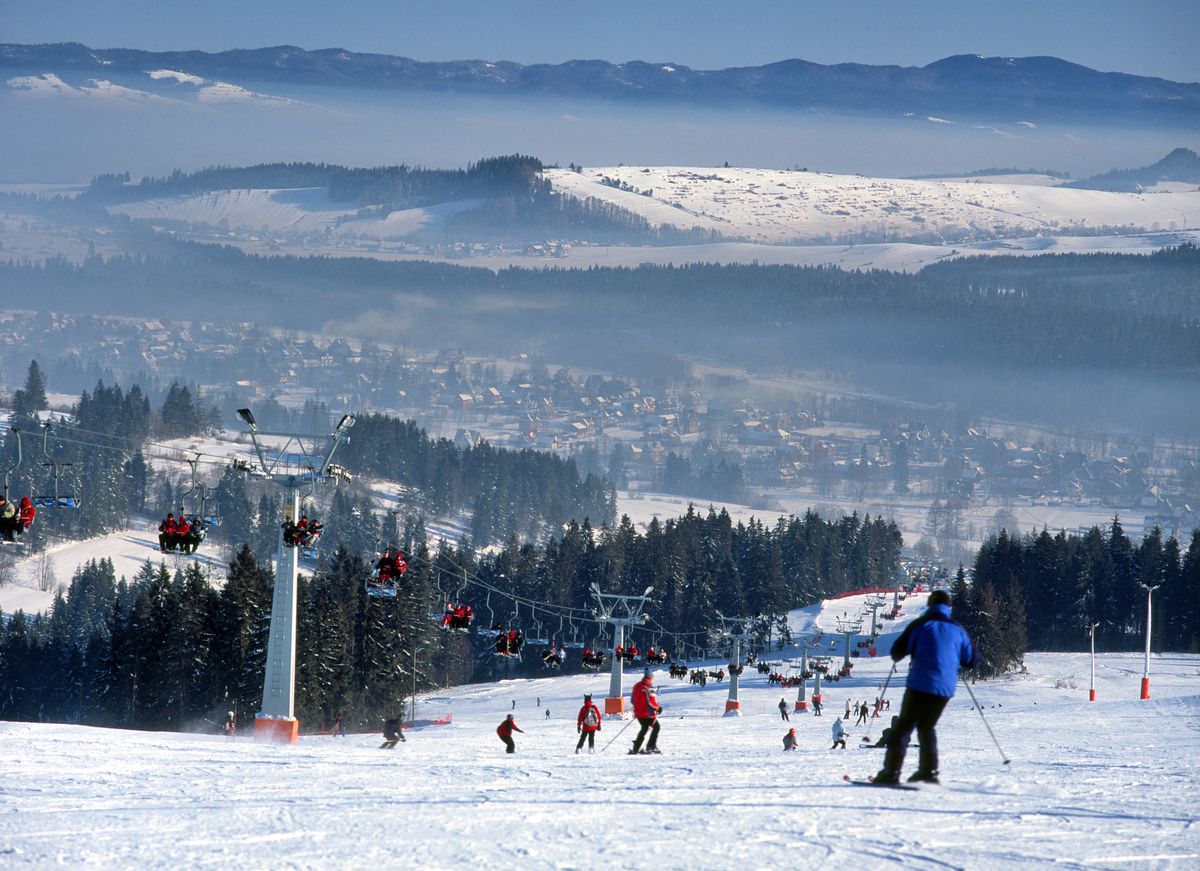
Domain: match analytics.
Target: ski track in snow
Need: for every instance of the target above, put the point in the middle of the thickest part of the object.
(1101, 785)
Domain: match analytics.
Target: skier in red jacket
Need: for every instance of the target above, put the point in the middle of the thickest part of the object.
(505, 730)
(588, 724)
(646, 709)
(166, 533)
(27, 514)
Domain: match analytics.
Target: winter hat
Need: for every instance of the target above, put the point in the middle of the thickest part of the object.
(587, 697)
(509, 717)
(939, 597)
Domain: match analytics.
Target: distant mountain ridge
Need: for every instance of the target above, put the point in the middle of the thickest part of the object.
(1032, 88)
(1181, 165)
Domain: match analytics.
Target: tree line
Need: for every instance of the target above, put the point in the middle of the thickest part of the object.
(1046, 591)
(168, 650)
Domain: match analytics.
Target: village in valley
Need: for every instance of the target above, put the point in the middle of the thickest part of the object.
(708, 436)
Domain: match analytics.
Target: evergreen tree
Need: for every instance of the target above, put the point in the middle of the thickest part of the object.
(31, 399)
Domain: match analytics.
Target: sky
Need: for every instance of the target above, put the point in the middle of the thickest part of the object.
(1148, 37)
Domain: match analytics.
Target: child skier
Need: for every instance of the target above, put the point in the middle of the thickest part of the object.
(587, 724)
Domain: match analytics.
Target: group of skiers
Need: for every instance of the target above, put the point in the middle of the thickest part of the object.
(181, 534)
(937, 645)
(302, 533)
(15, 519)
(862, 710)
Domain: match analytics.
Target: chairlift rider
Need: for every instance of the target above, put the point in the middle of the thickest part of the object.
(13, 520)
(458, 617)
(508, 642)
(552, 657)
(178, 533)
(391, 565)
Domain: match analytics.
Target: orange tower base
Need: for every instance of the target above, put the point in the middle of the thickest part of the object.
(614, 706)
(1091, 695)
(801, 705)
(1145, 688)
(733, 707)
(280, 731)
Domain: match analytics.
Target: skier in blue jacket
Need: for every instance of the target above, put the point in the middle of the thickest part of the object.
(938, 647)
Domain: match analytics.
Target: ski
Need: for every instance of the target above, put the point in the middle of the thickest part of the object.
(870, 781)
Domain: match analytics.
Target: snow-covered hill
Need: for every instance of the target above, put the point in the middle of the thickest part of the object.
(1103, 785)
(779, 206)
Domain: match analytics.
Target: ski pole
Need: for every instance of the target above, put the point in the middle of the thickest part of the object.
(618, 735)
(882, 694)
(979, 707)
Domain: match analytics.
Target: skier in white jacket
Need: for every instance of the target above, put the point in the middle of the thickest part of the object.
(839, 734)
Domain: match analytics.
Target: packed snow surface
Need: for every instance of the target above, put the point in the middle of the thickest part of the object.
(1102, 785)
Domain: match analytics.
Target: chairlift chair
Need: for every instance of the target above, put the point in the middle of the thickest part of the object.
(383, 587)
(53, 499)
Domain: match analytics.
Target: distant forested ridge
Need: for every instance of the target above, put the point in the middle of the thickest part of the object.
(1181, 165)
(367, 186)
(515, 199)
(1105, 312)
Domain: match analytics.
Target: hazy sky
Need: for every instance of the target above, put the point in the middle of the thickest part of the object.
(1149, 37)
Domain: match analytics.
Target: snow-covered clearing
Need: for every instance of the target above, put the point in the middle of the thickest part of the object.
(765, 205)
(291, 211)
(909, 511)
(1103, 785)
(892, 256)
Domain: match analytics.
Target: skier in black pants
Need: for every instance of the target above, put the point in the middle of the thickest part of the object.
(646, 710)
(391, 734)
(783, 710)
(938, 647)
(862, 714)
(505, 730)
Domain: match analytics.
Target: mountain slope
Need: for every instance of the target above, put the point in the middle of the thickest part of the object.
(1036, 88)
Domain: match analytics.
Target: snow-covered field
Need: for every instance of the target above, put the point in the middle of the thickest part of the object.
(1103, 785)
(779, 206)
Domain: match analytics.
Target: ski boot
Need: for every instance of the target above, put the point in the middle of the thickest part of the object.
(923, 777)
(886, 778)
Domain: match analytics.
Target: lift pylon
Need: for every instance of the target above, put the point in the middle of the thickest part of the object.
(277, 721)
(621, 612)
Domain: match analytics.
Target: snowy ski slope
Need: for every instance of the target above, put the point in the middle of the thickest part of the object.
(1103, 785)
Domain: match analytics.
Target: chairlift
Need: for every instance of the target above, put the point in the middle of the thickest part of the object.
(457, 617)
(53, 499)
(383, 582)
(572, 643)
(538, 636)
(12, 521)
